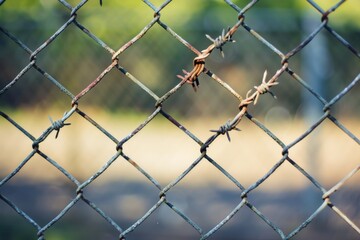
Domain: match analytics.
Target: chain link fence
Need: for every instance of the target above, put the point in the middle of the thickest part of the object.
(157, 91)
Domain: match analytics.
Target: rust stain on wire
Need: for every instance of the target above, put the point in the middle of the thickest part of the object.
(245, 103)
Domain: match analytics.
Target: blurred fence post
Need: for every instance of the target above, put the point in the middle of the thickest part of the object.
(315, 62)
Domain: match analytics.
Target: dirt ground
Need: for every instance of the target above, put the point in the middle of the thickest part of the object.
(164, 152)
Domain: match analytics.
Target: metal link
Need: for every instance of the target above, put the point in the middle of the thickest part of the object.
(199, 66)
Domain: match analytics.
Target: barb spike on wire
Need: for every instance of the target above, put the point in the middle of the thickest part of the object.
(225, 129)
(57, 125)
(100, 2)
(264, 87)
(190, 78)
(221, 40)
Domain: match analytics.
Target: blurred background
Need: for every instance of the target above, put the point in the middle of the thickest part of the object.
(119, 105)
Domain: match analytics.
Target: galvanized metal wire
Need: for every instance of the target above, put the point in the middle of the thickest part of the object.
(245, 105)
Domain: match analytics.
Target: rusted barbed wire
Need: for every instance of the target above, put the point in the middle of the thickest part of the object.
(120, 149)
(199, 61)
(220, 41)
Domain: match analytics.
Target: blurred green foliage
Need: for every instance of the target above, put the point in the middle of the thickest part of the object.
(75, 60)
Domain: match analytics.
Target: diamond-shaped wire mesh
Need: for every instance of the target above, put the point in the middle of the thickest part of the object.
(187, 78)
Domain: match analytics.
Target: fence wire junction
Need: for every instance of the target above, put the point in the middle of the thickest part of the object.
(186, 77)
